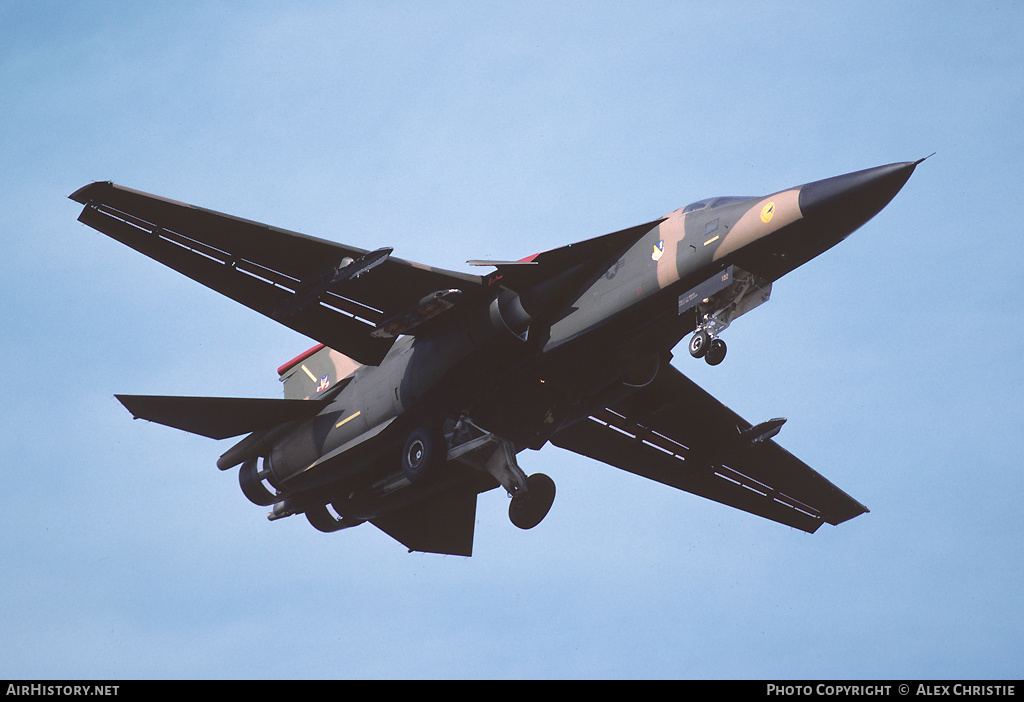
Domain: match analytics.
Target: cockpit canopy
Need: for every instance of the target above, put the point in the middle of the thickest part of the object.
(712, 202)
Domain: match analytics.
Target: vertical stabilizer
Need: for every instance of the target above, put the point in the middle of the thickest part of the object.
(311, 374)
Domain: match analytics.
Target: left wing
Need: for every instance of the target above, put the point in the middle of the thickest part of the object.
(674, 432)
(219, 417)
(293, 278)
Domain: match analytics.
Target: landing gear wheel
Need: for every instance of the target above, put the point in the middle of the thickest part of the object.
(529, 507)
(716, 352)
(422, 455)
(699, 343)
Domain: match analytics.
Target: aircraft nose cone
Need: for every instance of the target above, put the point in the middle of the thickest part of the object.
(845, 202)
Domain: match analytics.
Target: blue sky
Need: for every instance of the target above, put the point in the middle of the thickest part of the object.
(453, 131)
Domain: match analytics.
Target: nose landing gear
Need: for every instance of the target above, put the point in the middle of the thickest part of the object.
(710, 348)
(744, 292)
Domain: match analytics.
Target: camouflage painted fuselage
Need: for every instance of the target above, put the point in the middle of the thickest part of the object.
(427, 382)
(525, 376)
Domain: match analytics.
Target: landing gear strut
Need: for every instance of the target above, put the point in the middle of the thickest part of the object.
(532, 496)
(715, 313)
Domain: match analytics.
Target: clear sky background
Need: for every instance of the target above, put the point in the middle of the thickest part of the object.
(453, 131)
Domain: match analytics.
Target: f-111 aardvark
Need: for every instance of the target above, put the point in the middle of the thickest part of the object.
(427, 383)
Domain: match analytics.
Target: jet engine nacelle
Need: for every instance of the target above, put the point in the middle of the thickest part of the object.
(507, 315)
(542, 301)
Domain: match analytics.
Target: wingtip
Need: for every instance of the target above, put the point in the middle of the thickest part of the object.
(84, 194)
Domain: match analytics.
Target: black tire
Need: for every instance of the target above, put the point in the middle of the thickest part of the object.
(699, 343)
(716, 352)
(423, 453)
(529, 508)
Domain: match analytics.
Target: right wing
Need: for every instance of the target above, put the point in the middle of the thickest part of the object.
(675, 433)
(268, 269)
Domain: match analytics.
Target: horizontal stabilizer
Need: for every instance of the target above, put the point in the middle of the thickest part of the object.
(219, 417)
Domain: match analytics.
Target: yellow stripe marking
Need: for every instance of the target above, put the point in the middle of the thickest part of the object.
(348, 418)
(311, 376)
(712, 240)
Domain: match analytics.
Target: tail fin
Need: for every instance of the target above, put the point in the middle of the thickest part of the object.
(314, 372)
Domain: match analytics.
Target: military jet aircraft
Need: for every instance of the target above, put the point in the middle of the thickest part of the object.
(426, 383)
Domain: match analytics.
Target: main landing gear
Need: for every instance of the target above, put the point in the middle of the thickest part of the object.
(532, 496)
(710, 348)
(423, 454)
(528, 507)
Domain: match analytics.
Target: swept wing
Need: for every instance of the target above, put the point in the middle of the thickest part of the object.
(674, 432)
(293, 278)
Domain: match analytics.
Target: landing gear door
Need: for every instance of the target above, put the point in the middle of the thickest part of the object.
(709, 287)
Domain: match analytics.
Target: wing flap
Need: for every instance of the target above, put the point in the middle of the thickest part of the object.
(244, 238)
(264, 267)
(632, 453)
(675, 433)
(676, 406)
(262, 291)
(218, 417)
